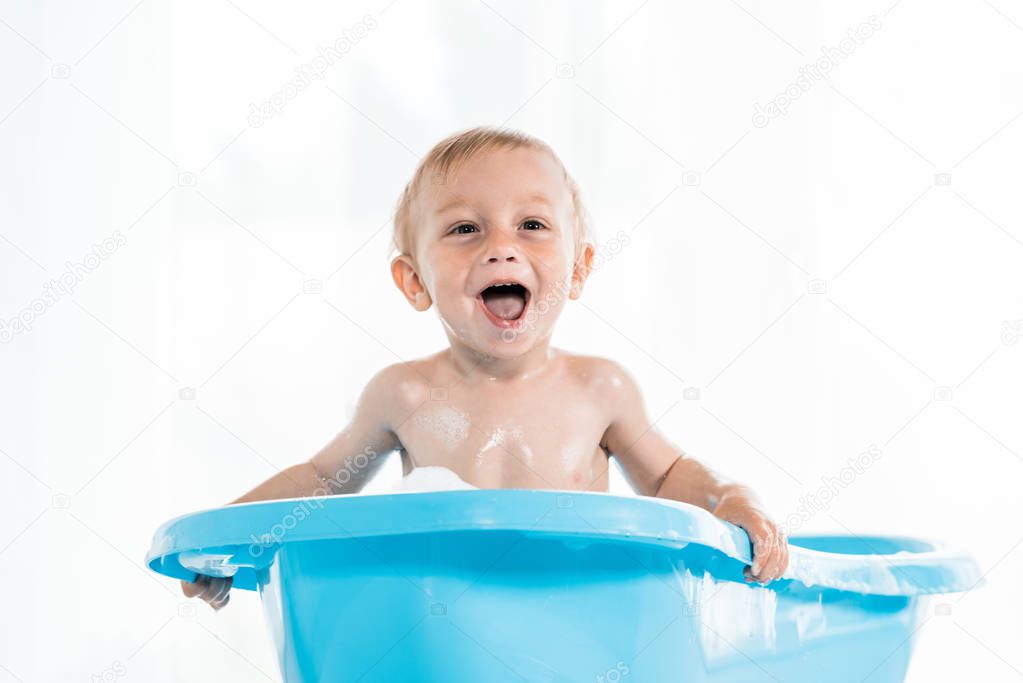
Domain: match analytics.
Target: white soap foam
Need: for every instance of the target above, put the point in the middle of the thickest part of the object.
(870, 574)
(432, 478)
(449, 425)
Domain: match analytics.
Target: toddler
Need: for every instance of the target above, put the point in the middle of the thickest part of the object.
(491, 231)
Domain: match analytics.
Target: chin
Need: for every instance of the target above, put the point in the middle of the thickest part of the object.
(509, 346)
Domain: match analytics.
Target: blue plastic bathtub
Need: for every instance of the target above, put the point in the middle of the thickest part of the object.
(535, 585)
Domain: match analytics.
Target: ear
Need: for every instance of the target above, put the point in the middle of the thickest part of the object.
(581, 271)
(403, 271)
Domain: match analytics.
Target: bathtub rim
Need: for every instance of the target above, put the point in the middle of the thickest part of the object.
(516, 510)
(220, 541)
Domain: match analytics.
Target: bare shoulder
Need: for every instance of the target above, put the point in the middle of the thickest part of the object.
(612, 390)
(610, 384)
(598, 373)
(402, 384)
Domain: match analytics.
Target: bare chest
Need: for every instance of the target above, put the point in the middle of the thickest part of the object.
(537, 441)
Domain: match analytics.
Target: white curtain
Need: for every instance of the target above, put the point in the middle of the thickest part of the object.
(811, 250)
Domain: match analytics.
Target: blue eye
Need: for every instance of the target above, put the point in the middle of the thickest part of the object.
(542, 226)
(457, 229)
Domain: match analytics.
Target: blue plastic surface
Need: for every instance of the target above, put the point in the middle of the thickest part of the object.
(537, 585)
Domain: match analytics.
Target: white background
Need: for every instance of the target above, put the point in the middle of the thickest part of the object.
(134, 118)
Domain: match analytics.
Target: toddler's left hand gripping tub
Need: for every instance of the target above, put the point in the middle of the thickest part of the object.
(552, 586)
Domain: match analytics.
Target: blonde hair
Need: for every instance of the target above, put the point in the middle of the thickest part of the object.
(448, 154)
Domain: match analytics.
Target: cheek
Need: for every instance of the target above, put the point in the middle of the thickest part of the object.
(551, 300)
(557, 273)
(449, 296)
(438, 281)
(450, 285)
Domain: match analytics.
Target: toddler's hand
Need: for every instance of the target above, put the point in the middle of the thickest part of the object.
(770, 547)
(214, 590)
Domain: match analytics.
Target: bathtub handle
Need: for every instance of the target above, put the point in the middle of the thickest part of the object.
(224, 561)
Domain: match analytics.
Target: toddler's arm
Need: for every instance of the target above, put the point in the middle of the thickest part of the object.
(344, 465)
(656, 467)
(351, 458)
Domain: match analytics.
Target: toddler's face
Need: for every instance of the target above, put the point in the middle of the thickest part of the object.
(502, 217)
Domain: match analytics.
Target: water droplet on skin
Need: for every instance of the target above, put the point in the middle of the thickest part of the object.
(494, 441)
(505, 439)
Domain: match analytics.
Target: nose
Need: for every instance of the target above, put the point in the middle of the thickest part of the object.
(500, 248)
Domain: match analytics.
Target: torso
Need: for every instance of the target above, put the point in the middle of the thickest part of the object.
(544, 432)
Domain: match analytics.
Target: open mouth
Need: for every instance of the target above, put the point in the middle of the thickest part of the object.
(504, 303)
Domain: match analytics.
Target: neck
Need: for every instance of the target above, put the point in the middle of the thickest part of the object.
(471, 363)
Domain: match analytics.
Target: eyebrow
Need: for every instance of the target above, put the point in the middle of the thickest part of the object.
(531, 199)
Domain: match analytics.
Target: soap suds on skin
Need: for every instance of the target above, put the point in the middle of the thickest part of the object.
(502, 438)
(494, 440)
(450, 425)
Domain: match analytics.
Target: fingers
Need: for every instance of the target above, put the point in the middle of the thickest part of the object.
(221, 600)
(193, 588)
(212, 589)
(783, 556)
(763, 546)
(771, 568)
(220, 589)
(770, 554)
